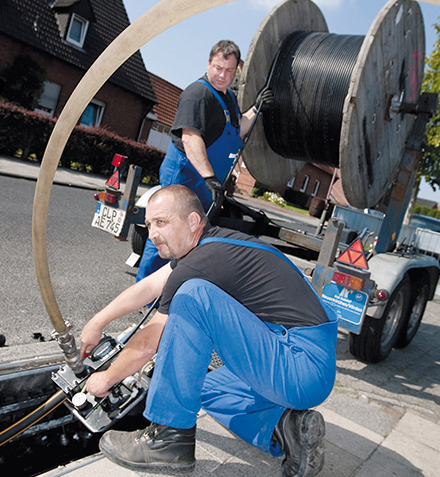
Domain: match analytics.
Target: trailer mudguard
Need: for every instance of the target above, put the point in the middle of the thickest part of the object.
(388, 270)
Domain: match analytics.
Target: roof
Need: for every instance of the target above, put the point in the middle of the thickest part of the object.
(330, 170)
(39, 23)
(167, 96)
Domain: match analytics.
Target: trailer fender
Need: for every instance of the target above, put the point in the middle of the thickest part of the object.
(145, 197)
(388, 270)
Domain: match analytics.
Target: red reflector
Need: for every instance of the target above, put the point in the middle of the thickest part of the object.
(114, 180)
(349, 281)
(96, 196)
(382, 295)
(354, 255)
(118, 161)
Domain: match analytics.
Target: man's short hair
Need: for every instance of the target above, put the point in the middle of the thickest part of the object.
(226, 48)
(185, 199)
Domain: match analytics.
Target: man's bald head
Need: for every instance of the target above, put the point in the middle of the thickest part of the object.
(181, 199)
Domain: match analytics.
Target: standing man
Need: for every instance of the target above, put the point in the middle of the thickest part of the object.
(232, 293)
(206, 136)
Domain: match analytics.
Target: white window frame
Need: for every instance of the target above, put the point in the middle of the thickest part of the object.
(84, 27)
(305, 183)
(316, 188)
(291, 182)
(101, 108)
(49, 98)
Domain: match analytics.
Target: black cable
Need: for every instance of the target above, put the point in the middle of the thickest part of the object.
(42, 411)
(310, 84)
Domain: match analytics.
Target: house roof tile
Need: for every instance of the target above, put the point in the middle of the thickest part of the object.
(167, 95)
(34, 22)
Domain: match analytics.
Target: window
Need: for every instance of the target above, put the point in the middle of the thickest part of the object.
(77, 30)
(316, 188)
(92, 115)
(290, 183)
(160, 136)
(49, 99)
(305, 184)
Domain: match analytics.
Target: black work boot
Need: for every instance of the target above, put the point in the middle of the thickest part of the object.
(300, 435)
(155, 448)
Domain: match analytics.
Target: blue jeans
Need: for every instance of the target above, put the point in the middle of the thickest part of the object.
(267, 368)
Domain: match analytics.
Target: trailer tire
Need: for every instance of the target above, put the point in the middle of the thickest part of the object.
(419, 299)
(378, 336)
(139, 236)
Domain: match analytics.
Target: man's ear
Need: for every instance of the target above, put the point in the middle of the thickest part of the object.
(194, 220)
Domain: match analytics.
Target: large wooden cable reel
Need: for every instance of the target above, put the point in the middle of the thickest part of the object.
(372, 139)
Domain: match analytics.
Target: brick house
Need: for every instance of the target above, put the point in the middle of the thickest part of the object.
(315, 180)
(160, 119)
(65, 37)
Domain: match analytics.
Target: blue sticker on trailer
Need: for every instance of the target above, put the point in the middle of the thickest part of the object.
(350, 305)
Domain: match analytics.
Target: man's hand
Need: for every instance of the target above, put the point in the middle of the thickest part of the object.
(214, 186)
(98, 384)
(90, 336)
(265, 98)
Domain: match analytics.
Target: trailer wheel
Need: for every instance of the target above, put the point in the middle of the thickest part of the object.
(411, 324)
(378, 336)
(139, 236)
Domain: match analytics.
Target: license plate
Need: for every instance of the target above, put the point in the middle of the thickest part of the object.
(109, 219)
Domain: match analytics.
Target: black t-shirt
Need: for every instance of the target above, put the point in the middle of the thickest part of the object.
(198, 109)
(261, 281)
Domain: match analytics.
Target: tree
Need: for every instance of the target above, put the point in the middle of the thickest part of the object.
(22, 82)
(429, 168)
(430, 165)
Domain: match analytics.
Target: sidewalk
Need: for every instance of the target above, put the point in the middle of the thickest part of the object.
(29, 170)
(350, 450)
(382, 420)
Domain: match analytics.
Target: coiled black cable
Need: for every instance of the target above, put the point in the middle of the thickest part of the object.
(310, 83)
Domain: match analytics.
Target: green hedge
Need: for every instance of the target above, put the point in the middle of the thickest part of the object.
(423, 210)
(88, 149)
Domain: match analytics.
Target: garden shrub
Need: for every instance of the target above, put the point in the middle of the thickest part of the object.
(88, 149)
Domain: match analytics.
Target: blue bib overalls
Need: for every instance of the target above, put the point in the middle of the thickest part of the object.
(267, 368)
(176, 168)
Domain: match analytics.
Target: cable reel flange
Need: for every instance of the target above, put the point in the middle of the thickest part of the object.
(390, 63)
(262, 162)
(372, 140)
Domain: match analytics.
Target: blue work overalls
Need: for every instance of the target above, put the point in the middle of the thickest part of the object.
(176, 168)
(268, 368)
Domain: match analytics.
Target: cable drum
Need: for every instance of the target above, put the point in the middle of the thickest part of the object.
(310, 83)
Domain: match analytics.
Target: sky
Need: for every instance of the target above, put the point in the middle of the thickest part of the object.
(180, 54)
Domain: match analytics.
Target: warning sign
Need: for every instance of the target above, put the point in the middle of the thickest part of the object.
(354, 255)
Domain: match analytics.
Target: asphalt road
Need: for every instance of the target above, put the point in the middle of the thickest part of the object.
(87, 265)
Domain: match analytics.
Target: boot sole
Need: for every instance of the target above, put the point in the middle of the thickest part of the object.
(312, 445)
(177, 468)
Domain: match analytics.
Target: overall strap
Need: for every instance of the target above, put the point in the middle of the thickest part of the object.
(222, 103)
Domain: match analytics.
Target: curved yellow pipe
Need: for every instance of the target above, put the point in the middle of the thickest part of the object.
(156, 20)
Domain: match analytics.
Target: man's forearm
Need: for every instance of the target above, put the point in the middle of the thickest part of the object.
(195, 151)
(132, 299)
(246, 121)
(137, 352)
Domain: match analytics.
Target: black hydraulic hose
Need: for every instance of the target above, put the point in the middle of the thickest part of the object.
(42, 411)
